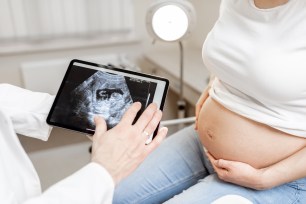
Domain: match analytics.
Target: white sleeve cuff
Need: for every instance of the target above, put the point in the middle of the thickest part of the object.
(91, 184)
(27, 110)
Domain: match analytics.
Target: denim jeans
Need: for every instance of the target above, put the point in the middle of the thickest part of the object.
(179, 172)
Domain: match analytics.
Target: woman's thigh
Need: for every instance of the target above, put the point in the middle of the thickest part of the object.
(211, 188)
(173, 167)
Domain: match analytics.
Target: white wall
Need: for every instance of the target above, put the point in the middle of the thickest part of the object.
(207, 13)
(10, 64)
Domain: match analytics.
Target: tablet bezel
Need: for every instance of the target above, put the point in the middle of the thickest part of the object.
(111, 68)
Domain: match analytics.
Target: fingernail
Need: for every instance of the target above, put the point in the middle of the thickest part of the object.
(137, 103)
(165, 129)
(154, 106)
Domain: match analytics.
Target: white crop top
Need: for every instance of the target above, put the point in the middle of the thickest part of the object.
(259, 59)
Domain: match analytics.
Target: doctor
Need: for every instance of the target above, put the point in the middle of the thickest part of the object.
(116, 153)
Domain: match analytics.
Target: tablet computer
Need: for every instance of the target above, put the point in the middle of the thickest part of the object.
(90, 89)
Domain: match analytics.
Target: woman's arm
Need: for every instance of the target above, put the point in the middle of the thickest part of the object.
(285, 171)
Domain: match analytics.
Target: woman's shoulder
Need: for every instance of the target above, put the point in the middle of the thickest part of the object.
(232, 4)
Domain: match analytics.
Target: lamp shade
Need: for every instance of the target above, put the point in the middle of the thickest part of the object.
(170, 20)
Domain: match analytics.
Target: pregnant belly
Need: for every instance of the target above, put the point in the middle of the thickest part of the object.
(227, 135)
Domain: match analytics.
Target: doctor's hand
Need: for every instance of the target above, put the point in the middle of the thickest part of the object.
(239, 173)
(121, 149)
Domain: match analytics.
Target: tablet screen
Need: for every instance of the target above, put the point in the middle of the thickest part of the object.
(89, 89)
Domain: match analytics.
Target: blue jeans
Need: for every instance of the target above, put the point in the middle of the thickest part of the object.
(179, 172)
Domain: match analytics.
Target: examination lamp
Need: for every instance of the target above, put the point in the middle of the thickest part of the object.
(172, 21)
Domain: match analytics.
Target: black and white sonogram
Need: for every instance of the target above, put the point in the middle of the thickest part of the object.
(90, 92)
(142, 91)
(101, 94)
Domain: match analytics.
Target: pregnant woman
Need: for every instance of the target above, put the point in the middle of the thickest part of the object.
(250, 135)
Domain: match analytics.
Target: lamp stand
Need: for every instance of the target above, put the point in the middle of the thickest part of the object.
(181, 103)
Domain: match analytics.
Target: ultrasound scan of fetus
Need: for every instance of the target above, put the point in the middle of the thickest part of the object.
(103, 94)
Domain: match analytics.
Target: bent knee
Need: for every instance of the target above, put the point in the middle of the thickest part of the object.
(232, 199)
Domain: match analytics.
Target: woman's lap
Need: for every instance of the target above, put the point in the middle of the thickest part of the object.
(176, 165)
(211, 188)
(178, 172)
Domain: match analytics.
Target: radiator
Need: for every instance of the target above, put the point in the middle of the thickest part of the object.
(46, 76)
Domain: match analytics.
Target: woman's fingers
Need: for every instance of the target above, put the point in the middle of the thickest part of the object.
(200, 102)
(131, 113)
(199, 105)
(210, 157)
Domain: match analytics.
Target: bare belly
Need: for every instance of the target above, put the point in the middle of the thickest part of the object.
(227, 135)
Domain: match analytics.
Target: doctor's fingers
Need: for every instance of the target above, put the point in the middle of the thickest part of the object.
(146, 133)
(100, 127)
(129, 116)
(146, 117)
(161, 135)
(142, 150)
(153, 123)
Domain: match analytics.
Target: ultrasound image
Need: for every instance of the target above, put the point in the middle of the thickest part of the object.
(102, 94)
(89, 92)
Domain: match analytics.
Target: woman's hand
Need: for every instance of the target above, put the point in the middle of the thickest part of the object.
(199, 105)
(202, 99)
(239, 173)
(121, 149)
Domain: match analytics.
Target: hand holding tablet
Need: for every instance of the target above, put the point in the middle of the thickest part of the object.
(90, 89)
(127, 140)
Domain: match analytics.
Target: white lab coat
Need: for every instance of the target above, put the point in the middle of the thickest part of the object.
(25, 112)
